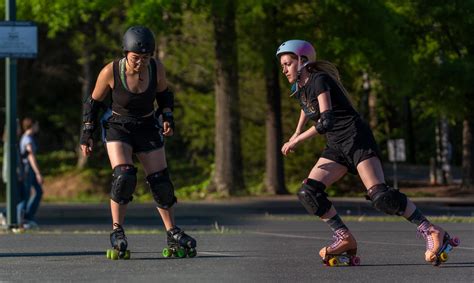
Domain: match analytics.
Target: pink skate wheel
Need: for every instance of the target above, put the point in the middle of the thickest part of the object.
(455, 241)
(355, 260)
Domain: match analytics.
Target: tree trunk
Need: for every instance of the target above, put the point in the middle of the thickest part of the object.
(409, 131)
(467, 153)
(86, 81)
(274, 171)
(443, 153)
(227, 178)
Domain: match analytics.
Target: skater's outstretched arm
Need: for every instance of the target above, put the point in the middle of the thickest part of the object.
(299, 128)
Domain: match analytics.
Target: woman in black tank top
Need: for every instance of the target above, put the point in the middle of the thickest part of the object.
(350, 148)
(133, 126)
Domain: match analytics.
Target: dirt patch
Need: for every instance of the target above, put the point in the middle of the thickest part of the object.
(65, 186)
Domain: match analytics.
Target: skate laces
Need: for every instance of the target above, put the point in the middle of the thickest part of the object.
(339, 236)
(176, 232)
(425, 232)
(118, 231)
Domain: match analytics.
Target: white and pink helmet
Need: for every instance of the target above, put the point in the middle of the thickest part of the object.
(298, 47)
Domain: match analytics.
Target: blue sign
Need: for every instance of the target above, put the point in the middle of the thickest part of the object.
(18, 39)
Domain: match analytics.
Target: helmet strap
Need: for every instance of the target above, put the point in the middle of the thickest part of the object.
(298, 77)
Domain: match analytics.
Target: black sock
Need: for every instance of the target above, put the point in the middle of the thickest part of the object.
(417, 218)
(336, 223)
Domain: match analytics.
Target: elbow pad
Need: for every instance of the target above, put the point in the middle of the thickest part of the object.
(165, 99)
(325, 123)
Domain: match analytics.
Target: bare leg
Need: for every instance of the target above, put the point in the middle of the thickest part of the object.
(327, 172)
(371, 174)
(168, 217)
(119, 153)
(155, 161)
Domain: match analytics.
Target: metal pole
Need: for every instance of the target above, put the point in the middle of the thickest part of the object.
(395, 180)
(10, 92)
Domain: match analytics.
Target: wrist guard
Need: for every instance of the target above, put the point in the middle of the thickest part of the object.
(165, 99)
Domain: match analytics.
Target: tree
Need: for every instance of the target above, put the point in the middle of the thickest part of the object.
(228, 177)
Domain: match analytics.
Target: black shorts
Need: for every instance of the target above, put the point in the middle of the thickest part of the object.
(353, 150)
(142, 134)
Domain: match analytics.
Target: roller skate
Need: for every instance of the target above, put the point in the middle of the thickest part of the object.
(342, 252)
(179, 244)
(438, 243)
(118, 240)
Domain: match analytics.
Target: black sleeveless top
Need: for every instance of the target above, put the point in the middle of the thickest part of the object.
(131, 104)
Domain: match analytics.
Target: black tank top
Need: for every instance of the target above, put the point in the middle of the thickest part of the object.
(131, 104)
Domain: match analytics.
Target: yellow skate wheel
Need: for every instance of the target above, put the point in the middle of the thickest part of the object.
(333, 261)
(114, 255)
(443, 256)
(108, 254)
(167, 252)
(127, 254)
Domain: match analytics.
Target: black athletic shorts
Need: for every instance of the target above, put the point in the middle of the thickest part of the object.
(142, 134)
(351, 151)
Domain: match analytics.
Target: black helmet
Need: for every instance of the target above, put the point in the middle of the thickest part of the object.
(139, 40)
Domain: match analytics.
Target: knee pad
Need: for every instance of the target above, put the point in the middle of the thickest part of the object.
(387, 199)
(162, 188)
(123, 184)
(313, 197)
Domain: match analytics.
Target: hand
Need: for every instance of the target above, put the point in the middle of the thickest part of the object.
(289, 146)
(39, 178)
(167, 129)
(87, 148)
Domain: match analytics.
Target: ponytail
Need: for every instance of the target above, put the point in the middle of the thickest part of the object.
(325, 67)
(330, 69)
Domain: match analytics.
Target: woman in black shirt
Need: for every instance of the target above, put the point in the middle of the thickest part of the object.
(350, 147)
(135, 82)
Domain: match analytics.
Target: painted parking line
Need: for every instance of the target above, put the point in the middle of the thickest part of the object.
(325, 239)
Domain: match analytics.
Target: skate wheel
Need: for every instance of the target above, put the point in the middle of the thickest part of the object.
(180, 252)
(355, 261)
(108, 254)
(167, 252)
(192, 252)
(333, 261)
(114, 254)
(443, 257)
(127, 254)
(455, 242)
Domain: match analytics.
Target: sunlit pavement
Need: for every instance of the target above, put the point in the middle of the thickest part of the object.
(238, 241)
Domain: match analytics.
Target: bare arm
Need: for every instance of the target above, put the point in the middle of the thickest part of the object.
(105, 82)
(309, 133)
(301, 122)
(299, 127)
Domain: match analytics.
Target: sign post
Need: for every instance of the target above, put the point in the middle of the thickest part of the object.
(17, 40)
(396, 153)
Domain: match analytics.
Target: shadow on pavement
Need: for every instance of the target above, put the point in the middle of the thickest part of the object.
(50, 254)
